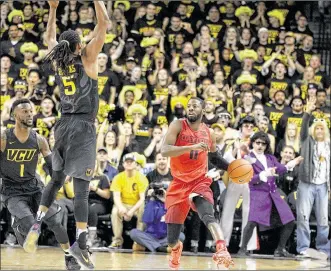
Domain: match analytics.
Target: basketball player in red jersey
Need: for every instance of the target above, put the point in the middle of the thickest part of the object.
(188, 142)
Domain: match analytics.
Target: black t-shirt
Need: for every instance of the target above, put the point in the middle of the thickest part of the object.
(86, 28)
(155, 176)
(158, 118)
(323, 78)
(102, 182)
(43, 128)
(142, 138)
(106, 80)
(269, 48)
(22, 70)
(273, 34)
(275, 115)
(209, 122)
(171, 36)
(304, 57)
(288, 181)
(31, 24)
(275, 84)
(230, 21)
(36, 102)
(286, 119)
(143, 25)
(217, 29)
(307, 31)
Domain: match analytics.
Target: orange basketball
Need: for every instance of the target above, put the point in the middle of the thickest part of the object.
(240, 171)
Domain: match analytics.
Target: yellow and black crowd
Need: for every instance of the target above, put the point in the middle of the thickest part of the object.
(254, 65)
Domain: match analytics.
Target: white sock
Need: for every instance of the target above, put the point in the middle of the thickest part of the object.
(92, 228)
(194, 243)
(209, 243)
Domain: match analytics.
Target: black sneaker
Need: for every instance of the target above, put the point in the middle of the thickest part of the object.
(211, 249)
(82, 256)
(194, 249)
(71, 263)
(31, 241)
(242, 252)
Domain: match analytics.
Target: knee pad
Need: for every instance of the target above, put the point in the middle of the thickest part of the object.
(208, 218)
(23, 225)
(54, 224)
(81, 189)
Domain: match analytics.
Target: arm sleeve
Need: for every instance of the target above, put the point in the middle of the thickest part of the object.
(217, 159)
(304, 132)
(48, 160)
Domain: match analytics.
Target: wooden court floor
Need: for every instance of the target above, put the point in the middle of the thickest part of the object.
(14, 258)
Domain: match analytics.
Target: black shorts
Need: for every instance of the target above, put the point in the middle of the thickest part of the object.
(75, 147)
(26, 205)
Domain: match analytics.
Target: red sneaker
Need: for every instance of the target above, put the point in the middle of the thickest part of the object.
(174, 260)
(222, 257)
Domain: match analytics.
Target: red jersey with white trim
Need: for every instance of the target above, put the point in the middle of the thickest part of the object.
(192, 165)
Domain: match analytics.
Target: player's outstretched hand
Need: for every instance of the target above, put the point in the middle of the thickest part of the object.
(200, 147)
(53, 3)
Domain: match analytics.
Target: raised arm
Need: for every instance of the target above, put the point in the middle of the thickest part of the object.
(304, 132)
(51, 25)
(93, 48)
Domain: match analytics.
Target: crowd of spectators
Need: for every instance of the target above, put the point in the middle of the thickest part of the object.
(253, 64)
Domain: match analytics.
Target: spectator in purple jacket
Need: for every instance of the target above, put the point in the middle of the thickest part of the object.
(267, 208)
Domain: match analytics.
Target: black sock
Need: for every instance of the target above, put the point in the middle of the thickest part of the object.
(82, 240)
(248, 232)
(285, 234)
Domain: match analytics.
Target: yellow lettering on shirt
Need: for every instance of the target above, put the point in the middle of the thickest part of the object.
(279, 85)
(102, 80)
(20, 155)
(215, 29)
(273, 34)
(274, 118)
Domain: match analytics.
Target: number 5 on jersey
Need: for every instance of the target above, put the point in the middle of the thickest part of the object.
(69, 85)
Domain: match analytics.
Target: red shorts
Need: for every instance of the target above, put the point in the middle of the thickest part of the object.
(177, 198)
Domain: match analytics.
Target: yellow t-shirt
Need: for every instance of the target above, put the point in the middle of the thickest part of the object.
(129, 187)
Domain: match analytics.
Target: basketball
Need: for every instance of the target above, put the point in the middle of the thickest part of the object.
(240, 171)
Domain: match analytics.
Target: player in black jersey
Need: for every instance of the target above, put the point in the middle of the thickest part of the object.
(21, 189)
(74, 153)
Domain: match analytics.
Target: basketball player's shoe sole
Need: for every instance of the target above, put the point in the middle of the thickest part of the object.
(71, 263)
(31, 241)
(174, 261)
(82, 256)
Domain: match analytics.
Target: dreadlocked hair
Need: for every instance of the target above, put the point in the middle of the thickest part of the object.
(62, 55)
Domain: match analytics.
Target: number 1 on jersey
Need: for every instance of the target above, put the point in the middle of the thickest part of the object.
(194, 155)
(22, 170)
